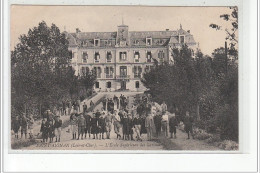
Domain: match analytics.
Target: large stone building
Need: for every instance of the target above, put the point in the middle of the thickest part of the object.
(120, 58)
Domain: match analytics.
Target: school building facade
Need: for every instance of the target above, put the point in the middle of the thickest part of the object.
(119, 59)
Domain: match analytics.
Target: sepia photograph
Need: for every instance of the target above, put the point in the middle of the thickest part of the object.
(157, 78)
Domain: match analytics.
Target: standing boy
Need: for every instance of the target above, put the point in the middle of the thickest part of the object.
(81, 125)
(188, 123)
(108, 121)
(172, 125)
(57, 128)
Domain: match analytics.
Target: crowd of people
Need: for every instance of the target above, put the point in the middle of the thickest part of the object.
(130, 121)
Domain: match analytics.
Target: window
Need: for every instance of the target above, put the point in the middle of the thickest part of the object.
(137, 84)
(108, 84)
(96, 42)
(122, 56)
(109, 56)
(182, 39)
(97, 71)
(136, 56)
(161, 56)
(109, 72)
(97, 56)
(123, 71)
(137, 71)
(148, 41)
(147, 68)
(97, 84)
(149, 56)
(84, 57)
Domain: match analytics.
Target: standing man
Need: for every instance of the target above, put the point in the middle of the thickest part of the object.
(124, 123)
(188, 123)
(30, 126)
(85, 107)
(81, 125)
(101, 126)
(44, 130)
(88, 124)
(108, 121)
(16, 126)
(51, 129)
(117, 124)
(57, 128)
(94, 126)
(129, 127)
(91, 103)
(172, 125)
(137, 126)
(73, 123)
(158, 123)
(164, 107)
(24, 125)
(165, 120)
(149, 123)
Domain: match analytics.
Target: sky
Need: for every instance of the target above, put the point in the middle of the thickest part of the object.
(138, 18)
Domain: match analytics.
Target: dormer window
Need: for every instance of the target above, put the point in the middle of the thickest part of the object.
(97, 57)
(149, 56)
(161, 41)
(182, 39)
(136, 56)
(84, 43)
(84, 57)
(109, 56)
(148, 41)
(96, 42)
(136, 42)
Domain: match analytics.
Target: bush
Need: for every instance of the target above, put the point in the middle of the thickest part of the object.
(228, 145)
(201, 134)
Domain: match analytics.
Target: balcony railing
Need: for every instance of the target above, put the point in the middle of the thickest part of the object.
(122, 76)
(109, 75)
(137, 75)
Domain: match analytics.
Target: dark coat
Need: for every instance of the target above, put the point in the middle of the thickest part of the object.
(158, 122)
(143, 128)
(129, 126)
(16, 125)
(102, 125)
(45, 129)
(94, 125)
(188, 122)
(172, 124)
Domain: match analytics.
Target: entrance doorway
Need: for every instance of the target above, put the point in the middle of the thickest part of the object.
(123, 85)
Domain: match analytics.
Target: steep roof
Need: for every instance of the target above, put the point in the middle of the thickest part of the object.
(167, 37)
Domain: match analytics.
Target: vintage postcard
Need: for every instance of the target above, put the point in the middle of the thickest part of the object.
(124, 78)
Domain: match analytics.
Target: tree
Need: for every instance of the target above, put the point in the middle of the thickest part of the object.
(231, 33)
(41, 71)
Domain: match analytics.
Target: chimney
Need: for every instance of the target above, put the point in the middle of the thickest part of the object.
(167, 30)
(77, 30)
